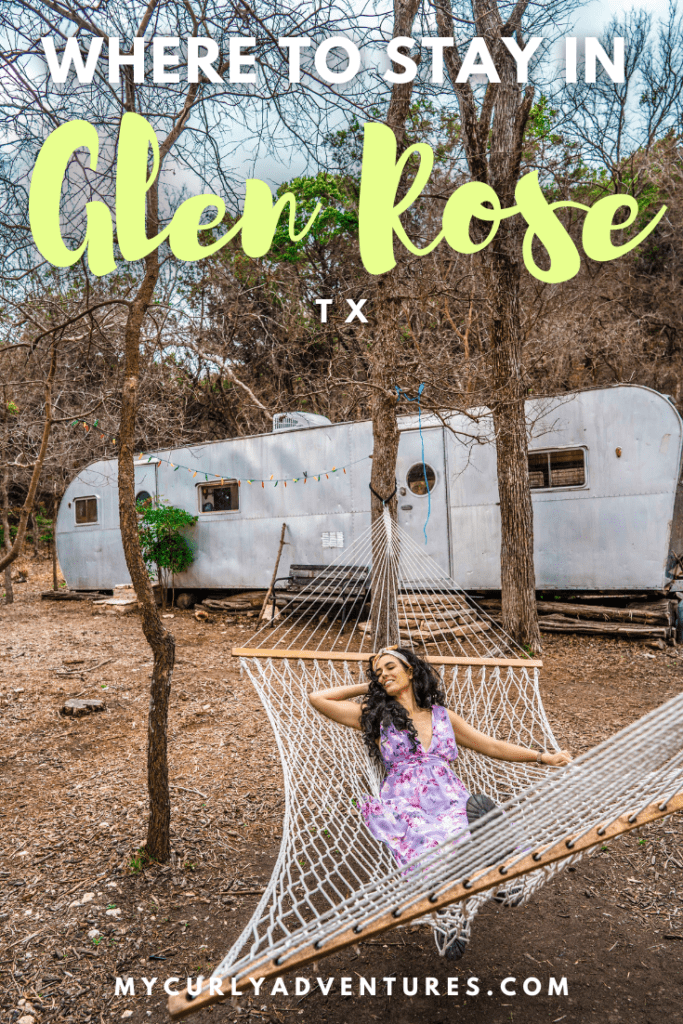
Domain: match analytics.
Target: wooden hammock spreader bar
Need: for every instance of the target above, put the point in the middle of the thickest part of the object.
(181, 1005)
(433, 659)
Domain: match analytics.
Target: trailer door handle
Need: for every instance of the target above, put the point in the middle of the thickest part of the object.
(406, 508)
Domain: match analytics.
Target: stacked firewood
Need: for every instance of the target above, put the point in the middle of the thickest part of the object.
(431, 617)
(636, 619)
(650, 619)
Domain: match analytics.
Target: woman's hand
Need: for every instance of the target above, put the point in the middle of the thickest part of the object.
(338, 703)
(467, 736)
(559, 760)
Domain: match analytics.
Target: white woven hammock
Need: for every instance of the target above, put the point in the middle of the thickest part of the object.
(333, 882)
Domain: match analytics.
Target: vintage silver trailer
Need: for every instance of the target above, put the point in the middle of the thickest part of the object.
(604, 466)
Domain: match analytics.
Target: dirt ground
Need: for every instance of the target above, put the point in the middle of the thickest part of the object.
(76, 911)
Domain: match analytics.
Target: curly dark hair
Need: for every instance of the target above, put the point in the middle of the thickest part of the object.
(379, 709)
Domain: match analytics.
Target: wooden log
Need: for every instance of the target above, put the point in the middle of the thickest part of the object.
(432, 631)
(560, 624)
(440, 600)
(448, 622)
(668, 608)
(658, 616)
(473, 625)
(442, 614)
(251, 597)
(218, 605)
(77, 708)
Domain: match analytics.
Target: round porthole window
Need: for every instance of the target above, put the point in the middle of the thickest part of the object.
(143, 498)
(416, 481)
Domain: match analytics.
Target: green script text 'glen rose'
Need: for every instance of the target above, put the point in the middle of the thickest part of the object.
(379, 214)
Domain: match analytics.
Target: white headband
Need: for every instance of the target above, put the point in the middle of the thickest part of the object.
(394, 653)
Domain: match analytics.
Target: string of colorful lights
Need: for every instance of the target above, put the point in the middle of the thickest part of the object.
(221, 478)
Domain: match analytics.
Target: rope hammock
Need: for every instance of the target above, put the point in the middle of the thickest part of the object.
(333, 882)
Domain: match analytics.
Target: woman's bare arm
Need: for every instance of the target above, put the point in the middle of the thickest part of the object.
(337, 703)
(467, 736)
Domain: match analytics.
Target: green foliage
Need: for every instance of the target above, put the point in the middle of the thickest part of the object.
(12, 534)
(541, 120)
(338, 216)
(138, 862)
(161, 540)
(12, 408)
(45, 526)
(346, 145)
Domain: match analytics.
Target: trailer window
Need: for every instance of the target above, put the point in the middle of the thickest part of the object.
(415, 478)
(143, 498)
(223, 497)
(562, 468)
(86, 511)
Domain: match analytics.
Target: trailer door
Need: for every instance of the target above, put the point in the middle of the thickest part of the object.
(146, 481)
(422, 500)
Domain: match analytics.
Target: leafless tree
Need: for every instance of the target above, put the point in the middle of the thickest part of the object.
(199, 125)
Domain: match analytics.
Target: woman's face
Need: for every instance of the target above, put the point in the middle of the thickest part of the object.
(393, 674)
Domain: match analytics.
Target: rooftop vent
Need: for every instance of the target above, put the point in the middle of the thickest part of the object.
(298, 421)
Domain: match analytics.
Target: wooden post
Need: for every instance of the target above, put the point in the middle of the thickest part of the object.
(54, 538)
(274, 577)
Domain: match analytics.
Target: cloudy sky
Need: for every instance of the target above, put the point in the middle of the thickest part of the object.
(597, 12)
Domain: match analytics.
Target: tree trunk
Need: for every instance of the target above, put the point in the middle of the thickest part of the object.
(385, 434)
(7, 543)
(55, 510)
(493, 136)
(32, 531)
(518, 585)
(517, 576)
(384, 504)
(15, 550)
(162, 642)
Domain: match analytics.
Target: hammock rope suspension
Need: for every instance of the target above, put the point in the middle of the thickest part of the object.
(332, 880)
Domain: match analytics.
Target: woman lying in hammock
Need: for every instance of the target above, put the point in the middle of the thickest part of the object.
(406, 726)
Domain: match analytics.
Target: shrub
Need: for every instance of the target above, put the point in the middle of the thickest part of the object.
(165, 550)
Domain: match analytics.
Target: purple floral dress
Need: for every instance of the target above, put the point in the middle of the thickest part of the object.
(421, 801)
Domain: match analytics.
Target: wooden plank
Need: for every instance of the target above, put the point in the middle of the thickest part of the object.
(435, 659)
(182, 1006)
